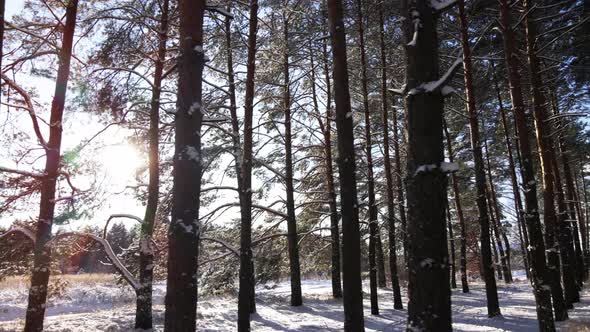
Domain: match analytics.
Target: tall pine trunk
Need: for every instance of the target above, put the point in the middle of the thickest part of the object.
(246, 303)
(536, 249)
(429, 292)
(351, 252)
(459, 210)
(185, 228)
(503, 247)
(397, 299)
(373, 226)
(523, 236)
(42, 253)
(545, 148)
(326, 129)
(143, 312)
(334, 229)
(294, 268)
(480, 177)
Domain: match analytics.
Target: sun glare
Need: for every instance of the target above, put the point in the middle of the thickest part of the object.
(120, 162)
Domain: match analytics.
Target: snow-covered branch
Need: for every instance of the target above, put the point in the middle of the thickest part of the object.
(437, 86)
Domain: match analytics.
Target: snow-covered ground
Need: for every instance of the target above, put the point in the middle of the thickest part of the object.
(108, 307)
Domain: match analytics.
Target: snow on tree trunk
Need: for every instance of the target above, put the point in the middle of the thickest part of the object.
(184, 230)
(429, 292)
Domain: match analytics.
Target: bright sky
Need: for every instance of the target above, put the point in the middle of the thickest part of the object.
(118, 159)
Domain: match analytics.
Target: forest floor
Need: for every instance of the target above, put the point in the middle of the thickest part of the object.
(99, 304)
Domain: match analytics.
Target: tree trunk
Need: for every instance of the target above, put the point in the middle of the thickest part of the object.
(143, 312)
(536, 249)
(452, 248)
(373, 226)
(399, 186)
(459, 209)
(296, 299)
(566, 243)
(545, 148)
(185, 228)
(351, 252)
(397, 299)
(42, 254)
(480, 177)
(523, 236)
(329, 172)
(429, 289)
(496, 222)
(246, 288)
(573, 209)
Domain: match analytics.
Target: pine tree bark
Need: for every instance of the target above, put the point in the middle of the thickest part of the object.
(246, 275)
(184, 230)
(545, 148)
(397, 299)
(329, 172)
(523, 236)
(572, 208)
(495, 219)
(480, 177)
(566, 243)
(459, 209)
(429, 292)
(292, 238)
(536, 249)
(351, 252)
(143, 312)
(42, 254)
(373, 226)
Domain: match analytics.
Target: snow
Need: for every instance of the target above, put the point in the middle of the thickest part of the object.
(109, 307)
(442, 5)
(442, 166)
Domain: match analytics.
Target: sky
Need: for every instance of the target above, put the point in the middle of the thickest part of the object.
(118, 159)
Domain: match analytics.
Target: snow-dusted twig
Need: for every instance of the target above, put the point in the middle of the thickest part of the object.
(220, 10)
(119, 215)
(436, 86)
(222, 243)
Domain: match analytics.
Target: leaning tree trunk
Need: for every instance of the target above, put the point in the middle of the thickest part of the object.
(295, 273)
(143, 311)
(459, 209)
(373, 226)
(545, 148)
(536, 249)
(351, 252)
(184, 230)
(397, 298)
(480, 177)
(523, 236)
(334, 229)
(246, 287)
(429, 292)
(42, 253)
